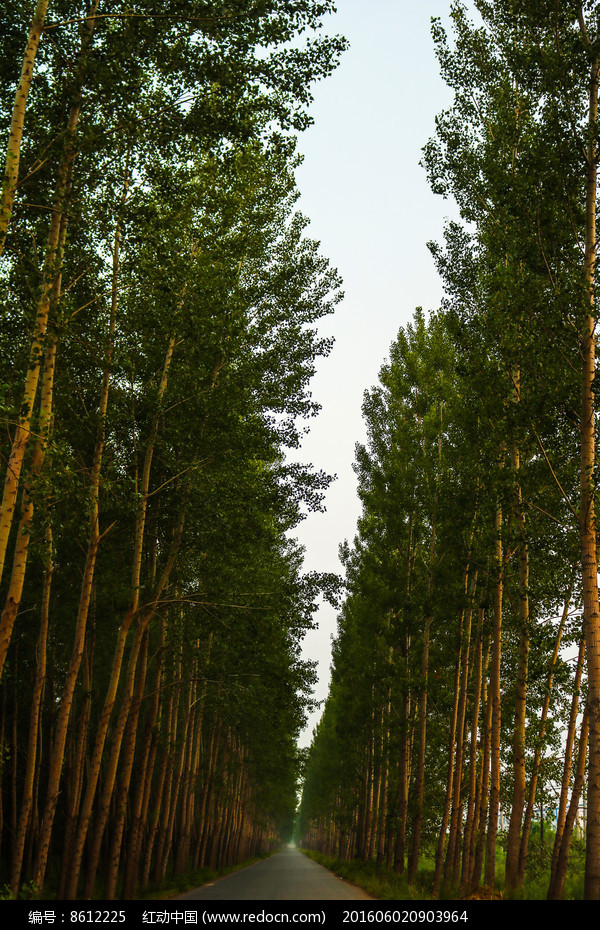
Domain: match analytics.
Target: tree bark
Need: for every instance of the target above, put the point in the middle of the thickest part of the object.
(557, 882)
(441, 845)
(52, 266)
(19, 566)
(66, 703)
(118, 825)
(478, 840)
(13, 150)
(512, 877)
(467, 856)
(415, 849)
(456, 819)
(34, 726)
(524, 847)
(494, 799)
(587, 517)
(569, 743)
(144, 777)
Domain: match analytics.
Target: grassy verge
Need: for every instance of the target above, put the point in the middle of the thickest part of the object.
(376, 879)
(385, 884)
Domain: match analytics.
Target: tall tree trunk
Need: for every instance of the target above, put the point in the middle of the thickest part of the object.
(568, 757)
(114, 854)
(142, 625)
(376, 793)
(527, 820)
(79, 743)
(19, 566)
(144, 776)
(52, 266)
(34, 726)
(57, 756)
(456, 819)
(166, 801)
(415, 849)
(441, 844)
(118, 732)
(385, 762)
(212, 756)
(123, 630)
(587, 518)
(13, 150)
(14, 749)
(494, 800)
(481, 806)
(467, 856)
(174, 805)
(158, 795)
(403, 767)
(557, 881)
(370, 778)
(518, 743)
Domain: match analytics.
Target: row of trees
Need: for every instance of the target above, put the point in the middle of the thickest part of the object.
(466, 677)
(159, 334)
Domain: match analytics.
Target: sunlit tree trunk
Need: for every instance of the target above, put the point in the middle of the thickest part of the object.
(52, 267)
(19, 566)
(518, 743)
(15, 134)
(557, 882)
(587, 517)
(527, 820)
(568, 761)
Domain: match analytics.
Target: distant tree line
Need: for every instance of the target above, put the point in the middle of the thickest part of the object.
(159, 307)
(466, 671)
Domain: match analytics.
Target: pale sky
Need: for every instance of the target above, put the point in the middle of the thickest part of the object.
(371, 208)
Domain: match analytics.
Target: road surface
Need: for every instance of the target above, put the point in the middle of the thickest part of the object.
(287, 876)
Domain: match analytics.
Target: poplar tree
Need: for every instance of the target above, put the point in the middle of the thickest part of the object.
(165, 336)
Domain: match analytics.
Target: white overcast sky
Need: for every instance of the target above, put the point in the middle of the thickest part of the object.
(371, 208)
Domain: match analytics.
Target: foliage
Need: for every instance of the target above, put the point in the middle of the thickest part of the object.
(451, 692)
(153, 591)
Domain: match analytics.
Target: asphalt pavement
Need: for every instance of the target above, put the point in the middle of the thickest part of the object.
(286, 876)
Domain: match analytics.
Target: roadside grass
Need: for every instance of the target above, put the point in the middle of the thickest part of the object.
(537, 877)
(385, 884)
(376, 879)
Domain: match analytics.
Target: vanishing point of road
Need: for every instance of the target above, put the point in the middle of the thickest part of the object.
(287, 876)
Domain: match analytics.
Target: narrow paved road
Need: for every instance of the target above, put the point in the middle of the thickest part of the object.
(286, 876)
